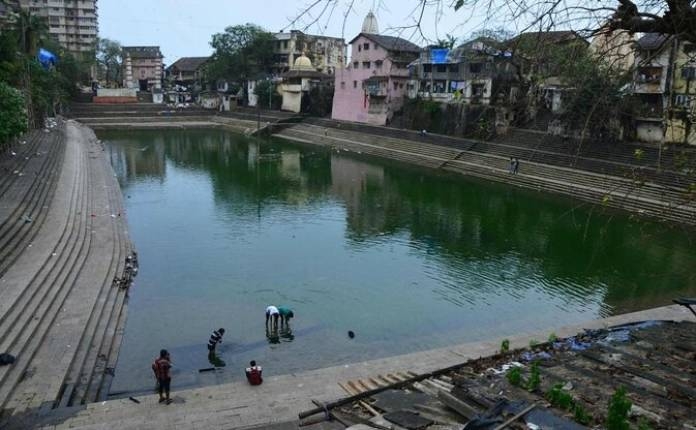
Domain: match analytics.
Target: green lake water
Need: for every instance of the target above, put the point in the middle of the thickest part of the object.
(408, 259)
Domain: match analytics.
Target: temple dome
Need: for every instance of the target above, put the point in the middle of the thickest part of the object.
(370, 24)
(303, 63)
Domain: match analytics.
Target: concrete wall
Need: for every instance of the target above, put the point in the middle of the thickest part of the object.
(117, 92)
(649, 131)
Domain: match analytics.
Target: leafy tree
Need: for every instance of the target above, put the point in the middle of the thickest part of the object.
(242, 53)
(43, 90)
(109, 60)
(13, 117)
(448, 42)
(264, 90)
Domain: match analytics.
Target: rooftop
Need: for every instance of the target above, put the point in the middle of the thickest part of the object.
(142, 51)
(188, 64)
(391, 43)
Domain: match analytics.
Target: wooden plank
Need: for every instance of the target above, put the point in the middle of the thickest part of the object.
(652, 363)
(376, 382)
(456, 404)
(365, 405)
(355, 387)
(641, 373)
(351, 399)
(522, 413)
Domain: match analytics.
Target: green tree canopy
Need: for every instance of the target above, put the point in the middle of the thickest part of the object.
(109, 60)
(242, 52)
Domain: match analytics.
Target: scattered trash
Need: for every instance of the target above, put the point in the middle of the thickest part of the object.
(133, 399)
(13, 153)
(532, 356)
(351, 334)
(6, 358)
(27, 219)
(504, 368)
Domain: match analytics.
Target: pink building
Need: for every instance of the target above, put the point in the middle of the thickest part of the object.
(373, 85)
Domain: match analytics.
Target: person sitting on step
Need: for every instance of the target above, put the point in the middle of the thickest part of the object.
(253, 373)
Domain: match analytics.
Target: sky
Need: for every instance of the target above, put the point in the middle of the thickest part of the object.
(183, 28)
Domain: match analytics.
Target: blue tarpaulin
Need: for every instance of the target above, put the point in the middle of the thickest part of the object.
(439, 55)
(46, 58)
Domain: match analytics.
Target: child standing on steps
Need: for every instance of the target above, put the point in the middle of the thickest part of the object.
(161, 367)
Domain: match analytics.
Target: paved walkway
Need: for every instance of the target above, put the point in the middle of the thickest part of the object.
(281, 398)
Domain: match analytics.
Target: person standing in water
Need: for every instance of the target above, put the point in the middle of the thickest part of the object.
(285, 314)
(272, 312)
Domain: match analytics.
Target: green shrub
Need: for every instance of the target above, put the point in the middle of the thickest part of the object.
(514, 376)
(505, 346)
(534, 377)
(617, 415)
(560, 398)
(13, 115)
(580, 416)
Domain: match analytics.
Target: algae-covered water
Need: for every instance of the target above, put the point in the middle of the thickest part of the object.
(408, 259)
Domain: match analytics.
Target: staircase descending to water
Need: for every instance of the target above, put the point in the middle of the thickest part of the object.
(603, 175)
(66, 263)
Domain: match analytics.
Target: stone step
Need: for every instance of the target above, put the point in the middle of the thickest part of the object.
(23, 152)
(647, 199)
(86, 371)
(16, 233)
(32, 316)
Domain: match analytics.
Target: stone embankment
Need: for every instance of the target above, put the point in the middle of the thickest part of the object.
(65, 267)
(612, 178)
(156, 116)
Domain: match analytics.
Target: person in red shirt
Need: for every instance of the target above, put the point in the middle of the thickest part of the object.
(161, 367)
(253, 373)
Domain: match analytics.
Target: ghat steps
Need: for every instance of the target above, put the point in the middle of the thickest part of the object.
(64, 243)
(663, 199)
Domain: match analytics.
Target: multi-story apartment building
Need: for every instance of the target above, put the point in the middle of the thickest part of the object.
(476, 72)
(73, 23)
(373, 86)
(326, 53)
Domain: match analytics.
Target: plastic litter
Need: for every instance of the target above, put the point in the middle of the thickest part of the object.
(6, 358)
(532, 356)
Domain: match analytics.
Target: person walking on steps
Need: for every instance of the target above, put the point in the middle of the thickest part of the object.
(516, 167)
(161, 366)
(253, 373)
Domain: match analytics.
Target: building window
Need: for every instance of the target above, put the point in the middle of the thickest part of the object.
(478, 90)
(374, 45)
(355, 64)
(396, 85)
(684, 100)
(366, 64)
(378, 64)
(366, 46)
(343, 85)
(355, 84)
(454, 68)
(427, 68)
(359, 48)
(688, 72)
(441, 68)
(475, 67)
